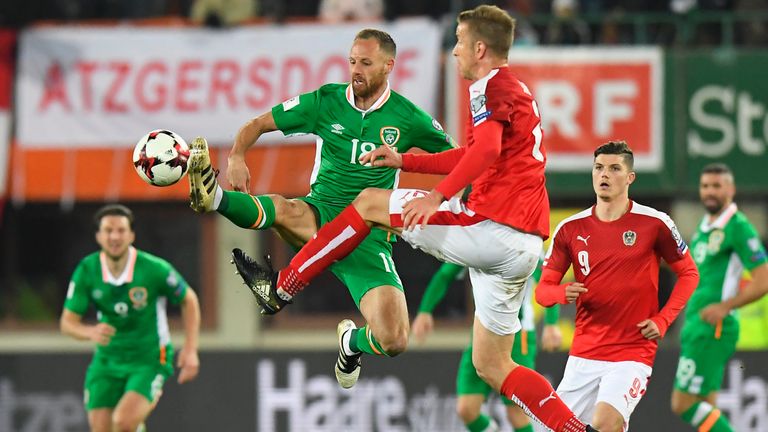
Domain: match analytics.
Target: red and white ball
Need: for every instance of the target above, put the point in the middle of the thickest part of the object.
(161, 157)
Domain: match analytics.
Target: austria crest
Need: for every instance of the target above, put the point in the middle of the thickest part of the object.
(629, 238)
(390, 135)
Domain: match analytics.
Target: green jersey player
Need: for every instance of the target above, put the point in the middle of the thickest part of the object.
(724, 244)
(129, 289)
(471, 389)
(349, 120)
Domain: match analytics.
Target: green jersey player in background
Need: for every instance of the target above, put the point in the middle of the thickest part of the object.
(472, 391)
(724, 244)
(129, 289)
(349, 120)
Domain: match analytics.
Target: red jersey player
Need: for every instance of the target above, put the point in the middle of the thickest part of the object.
(497, 233)
(615, 248)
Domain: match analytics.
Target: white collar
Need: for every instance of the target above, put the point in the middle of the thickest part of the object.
(127, 274)
(721, 220)
(378, 104)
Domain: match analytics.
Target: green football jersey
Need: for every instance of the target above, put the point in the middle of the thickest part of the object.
(344, 133)
(722, 250)
(133, 303)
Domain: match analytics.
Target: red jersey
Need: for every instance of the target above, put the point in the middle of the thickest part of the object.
(505, 165)
(618, 262)
(512, 191)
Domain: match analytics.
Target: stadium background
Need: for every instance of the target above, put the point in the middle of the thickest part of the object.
(81, 81)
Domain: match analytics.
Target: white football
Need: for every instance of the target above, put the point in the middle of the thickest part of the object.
(160, 157)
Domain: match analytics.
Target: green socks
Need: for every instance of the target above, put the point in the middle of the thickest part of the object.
(526, 428)
(480, 424)
(362, 340)
(706, 418)
(247, 211)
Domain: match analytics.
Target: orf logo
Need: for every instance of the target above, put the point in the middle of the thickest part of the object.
(390, 135)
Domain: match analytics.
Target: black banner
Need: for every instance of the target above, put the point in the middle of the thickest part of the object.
(297, 392)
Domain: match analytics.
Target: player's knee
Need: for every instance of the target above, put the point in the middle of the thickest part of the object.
(484, 365)
(467, 412)
(124, 423)
(284, 208)
(678, 405)
(395, 344)
(608, 426)
(367, 201)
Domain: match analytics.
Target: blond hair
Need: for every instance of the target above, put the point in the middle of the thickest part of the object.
(491, 25)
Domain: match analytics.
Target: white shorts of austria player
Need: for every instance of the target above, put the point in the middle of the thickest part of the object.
(500, 259)
(620, 384)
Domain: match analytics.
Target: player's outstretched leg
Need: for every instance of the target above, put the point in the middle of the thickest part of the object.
(202, 177)
(347, 365)
(261, 280)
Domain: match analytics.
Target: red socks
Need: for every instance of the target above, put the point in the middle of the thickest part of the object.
(334, 241)
(538, 399)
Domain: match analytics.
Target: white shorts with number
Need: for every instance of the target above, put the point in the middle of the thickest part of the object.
(500, 258)
(620, 384)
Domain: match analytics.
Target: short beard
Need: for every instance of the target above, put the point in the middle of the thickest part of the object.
(713, 209)
(371, 89)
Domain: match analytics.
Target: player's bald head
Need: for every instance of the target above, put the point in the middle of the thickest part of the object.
(386, 43)
(719, 168)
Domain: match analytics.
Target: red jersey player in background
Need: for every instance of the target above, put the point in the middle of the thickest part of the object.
(614, 247)
(498, 232)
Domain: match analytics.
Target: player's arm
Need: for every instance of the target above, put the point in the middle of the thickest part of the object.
(237, 171)
(752, 253)
(75, 305)
(71, 324)
(474, 161)
(437, 163)
(550, 291)
(189, 361)
(551, 336)
(753, 291)
(687, 280)
(423, 324)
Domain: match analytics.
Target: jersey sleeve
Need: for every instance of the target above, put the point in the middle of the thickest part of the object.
(499, 106)
(428, 134)
(490, 102)
(173, 287)
(669, 243)
(747, 245)
(297, 115)
(78, 292)
(557, 257)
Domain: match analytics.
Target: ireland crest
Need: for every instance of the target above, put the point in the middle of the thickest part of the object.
(390, 135)
(138, 296)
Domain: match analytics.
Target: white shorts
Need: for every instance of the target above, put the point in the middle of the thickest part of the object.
(500, 258)
(619, 384)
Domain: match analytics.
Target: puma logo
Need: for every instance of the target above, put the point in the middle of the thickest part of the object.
(551, 396)
(584, 239)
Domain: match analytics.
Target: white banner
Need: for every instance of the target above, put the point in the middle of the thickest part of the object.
(106, 87)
